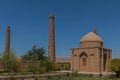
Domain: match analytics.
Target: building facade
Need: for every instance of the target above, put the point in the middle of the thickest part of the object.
(91, 56)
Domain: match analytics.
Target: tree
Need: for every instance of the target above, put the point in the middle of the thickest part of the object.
(36, 59)
(35, 54)
(10, 62)
(115, 66)
(37, 62)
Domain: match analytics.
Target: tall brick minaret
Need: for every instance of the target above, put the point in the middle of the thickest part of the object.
(7, 43)
(51, 40)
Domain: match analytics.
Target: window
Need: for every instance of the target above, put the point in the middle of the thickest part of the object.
(84, 61)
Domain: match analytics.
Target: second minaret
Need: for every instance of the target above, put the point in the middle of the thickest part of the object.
(7, 43)
(51, 40)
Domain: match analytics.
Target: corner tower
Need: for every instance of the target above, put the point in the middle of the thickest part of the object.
(51, 40)
(7, 43)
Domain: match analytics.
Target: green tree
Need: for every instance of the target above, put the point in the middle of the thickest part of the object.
(115, 66)
(35, 54)
(6, 61)
(10, 62)
(38, 62)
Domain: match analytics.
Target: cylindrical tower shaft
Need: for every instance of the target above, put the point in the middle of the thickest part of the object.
(7, 43)
(51, 40)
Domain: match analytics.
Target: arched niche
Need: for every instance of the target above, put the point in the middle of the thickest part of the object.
(83, 54)
(91, 55)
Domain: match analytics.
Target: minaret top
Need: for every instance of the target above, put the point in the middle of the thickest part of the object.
(8, 28)
(52, 16)
(95, 30)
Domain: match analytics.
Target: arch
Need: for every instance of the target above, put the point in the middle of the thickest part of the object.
(83, 54)
(74, 55)
(92, 62)
(83, 61)
(91, 54)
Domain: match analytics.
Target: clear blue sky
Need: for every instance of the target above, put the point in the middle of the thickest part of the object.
(29, 21)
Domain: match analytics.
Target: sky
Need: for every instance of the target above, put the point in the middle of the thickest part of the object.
(29, 23)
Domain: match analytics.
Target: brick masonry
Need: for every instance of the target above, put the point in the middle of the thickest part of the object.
(91, 56)
(51, 40)
(7, 43)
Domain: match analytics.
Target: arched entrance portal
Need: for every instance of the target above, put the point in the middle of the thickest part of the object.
(83, 62)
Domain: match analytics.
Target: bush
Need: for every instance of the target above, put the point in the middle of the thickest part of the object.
(42, 70)
(51, 66)
(114, 66)
(33, 66)
(10, 62)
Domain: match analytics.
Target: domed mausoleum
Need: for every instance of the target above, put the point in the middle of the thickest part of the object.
(91, 56)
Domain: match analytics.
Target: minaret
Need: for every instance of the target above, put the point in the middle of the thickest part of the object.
(51, 40)
(7, 43)
(95, 30)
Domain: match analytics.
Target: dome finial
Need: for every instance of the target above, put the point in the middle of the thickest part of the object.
(95, 30)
